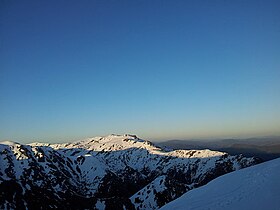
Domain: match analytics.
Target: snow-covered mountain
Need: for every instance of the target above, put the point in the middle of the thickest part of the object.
(113, 172)
(257, 187)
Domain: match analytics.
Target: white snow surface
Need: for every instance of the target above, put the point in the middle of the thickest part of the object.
(256, 187)
(147, 194)
(89, 161)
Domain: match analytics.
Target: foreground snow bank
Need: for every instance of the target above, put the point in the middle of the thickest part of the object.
(256, 187)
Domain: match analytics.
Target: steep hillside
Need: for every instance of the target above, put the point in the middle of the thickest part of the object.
(113, 172)
(257, 187)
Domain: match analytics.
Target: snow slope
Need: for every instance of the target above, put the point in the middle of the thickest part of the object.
(105, 173)
(256, 187)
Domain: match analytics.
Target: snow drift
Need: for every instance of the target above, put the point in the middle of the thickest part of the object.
(256, 187)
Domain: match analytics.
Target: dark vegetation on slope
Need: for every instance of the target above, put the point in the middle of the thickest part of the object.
(61, 186)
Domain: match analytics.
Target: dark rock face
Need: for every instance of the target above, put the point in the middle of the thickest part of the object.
(135, 177)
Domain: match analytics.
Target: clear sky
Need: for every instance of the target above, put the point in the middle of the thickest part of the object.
(162, 69)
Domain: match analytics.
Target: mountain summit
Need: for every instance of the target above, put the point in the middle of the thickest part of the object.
(113, 172)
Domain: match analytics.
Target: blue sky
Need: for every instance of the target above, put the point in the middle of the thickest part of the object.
(158, 69)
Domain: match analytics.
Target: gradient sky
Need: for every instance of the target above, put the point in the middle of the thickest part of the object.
(158, 69)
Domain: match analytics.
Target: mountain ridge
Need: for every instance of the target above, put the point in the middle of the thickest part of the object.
(117, 171)
(266, 148)
(256, 187)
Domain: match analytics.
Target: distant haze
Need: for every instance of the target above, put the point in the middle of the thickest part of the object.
(158, 69)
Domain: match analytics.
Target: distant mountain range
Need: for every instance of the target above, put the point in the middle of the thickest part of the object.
(266, 148)
(113, 172)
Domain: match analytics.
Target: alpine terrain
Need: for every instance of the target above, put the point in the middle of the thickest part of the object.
(257, 187)
(113, 172)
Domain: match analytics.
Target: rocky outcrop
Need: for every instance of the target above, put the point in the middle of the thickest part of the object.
(113, 172)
